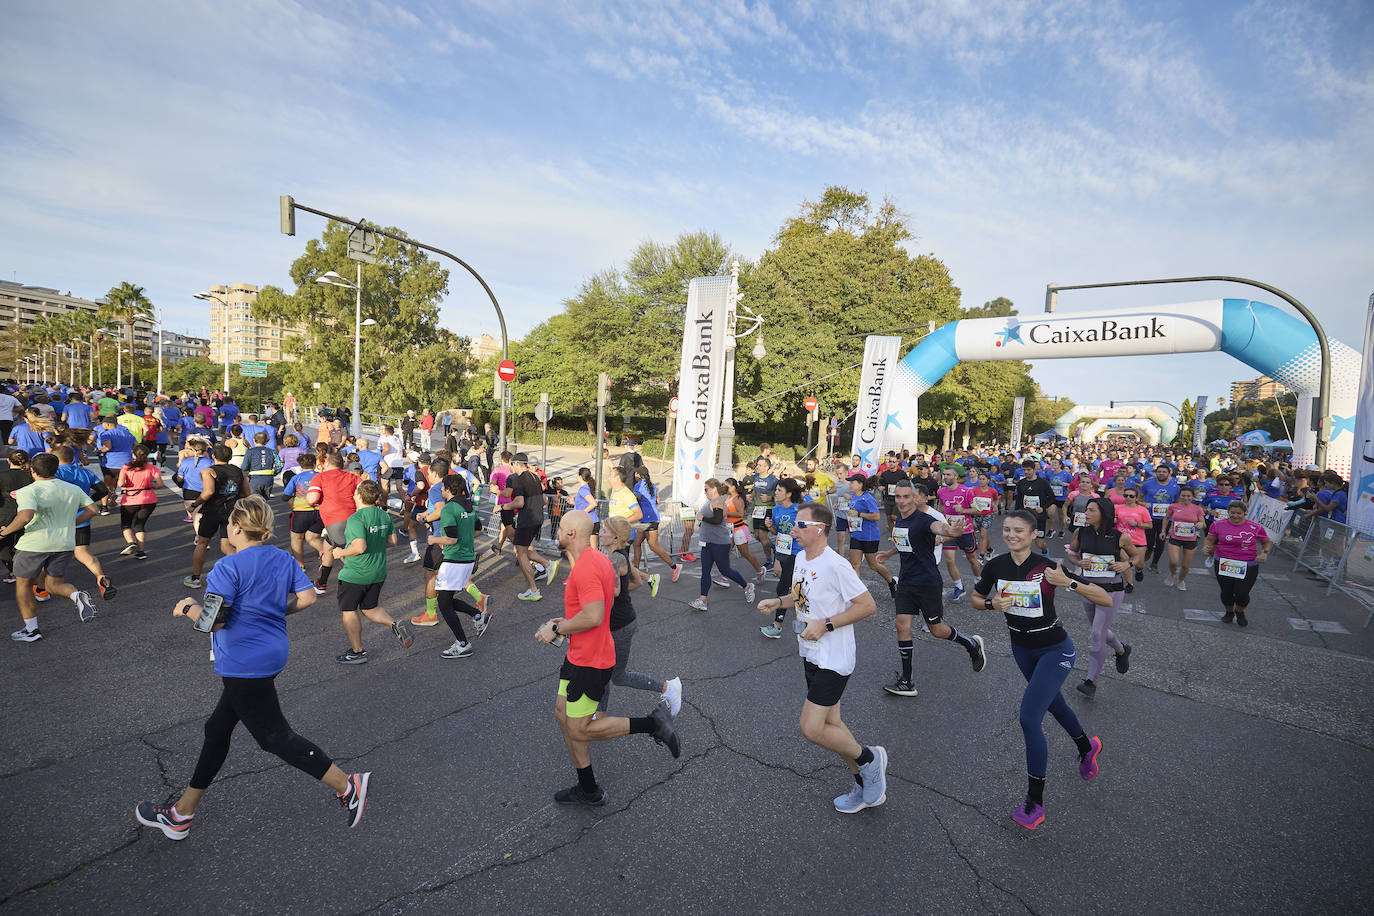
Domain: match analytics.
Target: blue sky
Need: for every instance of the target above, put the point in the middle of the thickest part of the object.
(1070, 141)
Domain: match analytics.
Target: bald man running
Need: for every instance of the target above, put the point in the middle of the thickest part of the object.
(588, 594)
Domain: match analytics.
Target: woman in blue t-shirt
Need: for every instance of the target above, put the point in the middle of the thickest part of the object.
(585, 500)
(787, 499)
(647, 494)
(259, 585)
(863, 529)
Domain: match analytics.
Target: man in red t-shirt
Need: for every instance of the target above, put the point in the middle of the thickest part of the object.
(588, 594)
(332, 491)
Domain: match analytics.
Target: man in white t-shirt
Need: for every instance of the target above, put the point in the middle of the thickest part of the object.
(9, 404)
(830, 599)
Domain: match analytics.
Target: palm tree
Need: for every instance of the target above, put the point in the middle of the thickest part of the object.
(126, 303)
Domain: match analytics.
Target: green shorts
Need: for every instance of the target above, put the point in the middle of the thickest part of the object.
(582, 688)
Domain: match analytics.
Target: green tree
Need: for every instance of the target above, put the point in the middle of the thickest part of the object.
(408, 361)
(1229, 421)
(127, 304)
(1187, 415)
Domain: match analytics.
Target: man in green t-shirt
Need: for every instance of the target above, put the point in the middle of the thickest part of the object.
(107, 406)
(49, 511)
(367, 534)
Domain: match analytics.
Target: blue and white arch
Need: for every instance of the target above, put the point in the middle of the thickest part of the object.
(1266, 338)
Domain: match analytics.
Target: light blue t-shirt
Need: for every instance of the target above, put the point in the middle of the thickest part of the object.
(255, 583)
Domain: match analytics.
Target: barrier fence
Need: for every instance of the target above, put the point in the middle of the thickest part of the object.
(1343, 557)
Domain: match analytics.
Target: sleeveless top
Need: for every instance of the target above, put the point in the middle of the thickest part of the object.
(622, 609)
(1090, 542)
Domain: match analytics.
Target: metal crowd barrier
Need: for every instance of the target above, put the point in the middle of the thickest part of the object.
(1343, 557)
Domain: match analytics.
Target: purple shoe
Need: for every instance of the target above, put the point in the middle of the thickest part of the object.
(1087, 766)
(1029, 816)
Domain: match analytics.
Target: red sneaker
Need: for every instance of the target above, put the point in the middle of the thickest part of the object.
(41, 593)
(425, 620)
(689, 558)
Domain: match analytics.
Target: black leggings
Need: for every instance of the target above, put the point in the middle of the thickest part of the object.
(253, 701)
(135, 517)
(449, 605)
(1236, 592)
(1155, 542)
(786, 562)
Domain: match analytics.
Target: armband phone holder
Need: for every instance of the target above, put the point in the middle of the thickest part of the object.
(213, 613)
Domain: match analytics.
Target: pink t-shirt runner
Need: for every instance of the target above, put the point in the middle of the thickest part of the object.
(1190, 514)
(956, 500)
(1237, 542)
(1136, 513)
(139, 485)
(498, 483)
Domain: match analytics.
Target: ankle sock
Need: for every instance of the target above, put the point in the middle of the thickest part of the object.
(324, 574)
(1035, 790)
(1084, 745)
(865, 757)
(431, 607)
(641, 725)
(961, 639)
(475, 592)
(587, 780)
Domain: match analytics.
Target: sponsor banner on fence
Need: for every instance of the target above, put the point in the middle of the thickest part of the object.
(1361, 497)
(872, 419)
(1271, 514)
(1199, 426)
(700, 384)
(1018, 419)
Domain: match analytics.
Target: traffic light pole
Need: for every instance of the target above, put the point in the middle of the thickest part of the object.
(288, 227)
(603, 392)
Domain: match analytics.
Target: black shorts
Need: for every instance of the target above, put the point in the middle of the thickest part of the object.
(83, 536)
(190, 495)
(508, 518)
(965, 542)
(355, 597)
(1183, 545)
(584, 682)
(651, 526)
(760, 524)
(862, 546)
(434, 556)
(211, 525)
(306, 521)
(525, 535)
(823, 686)
(925, 600)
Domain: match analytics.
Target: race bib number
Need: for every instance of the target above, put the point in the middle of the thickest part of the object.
(688, 514)
(982, 503)
(892, 489)
(815, 492)
(1159, 510)
(1032, 502)
(901, 537)
(783, 544)
(1058, 489)
(1080, 519)
(1181, 479)
(854, 520)
(1219, 514)
(760, 512)
(1232, 569)
(1025, 597)
(1097, 566)
(1185, 531)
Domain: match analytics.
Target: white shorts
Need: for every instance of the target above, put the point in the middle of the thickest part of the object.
(453, 577)
(741, 535)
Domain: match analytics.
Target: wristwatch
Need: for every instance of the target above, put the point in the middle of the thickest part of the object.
(1073, 585)
(556, 634)
(829, 626)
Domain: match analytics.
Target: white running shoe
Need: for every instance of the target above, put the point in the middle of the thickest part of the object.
(672, 697)
(530, 594)
(1182, 586)
(457, 650)
(552, 571)
(1169, 580)
(698, 605)
(749, 593)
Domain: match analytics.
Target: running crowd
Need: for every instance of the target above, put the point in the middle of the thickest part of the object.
(1120, 512)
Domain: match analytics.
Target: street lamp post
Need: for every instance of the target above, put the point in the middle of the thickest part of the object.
(159, 349)
(90, 362)
(1052, 291)
(224, 302)
(333, 279)
(725, 461)
(288, 227)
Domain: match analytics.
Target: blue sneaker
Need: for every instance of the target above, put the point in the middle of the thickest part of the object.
(853, 802)
(875, 778)
(958, 592)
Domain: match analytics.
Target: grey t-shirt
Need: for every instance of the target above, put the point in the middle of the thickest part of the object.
(713, 534)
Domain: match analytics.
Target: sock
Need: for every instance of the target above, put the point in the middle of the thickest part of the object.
(414, 547)
(587, 780)
(859, 779)
(431, 607)
(1084, 746)
(475, 592)
(31, 625)
(904, 650)
(641, 725)
(865, 757)
(324, 574)
(961, 639)
(1035, 790)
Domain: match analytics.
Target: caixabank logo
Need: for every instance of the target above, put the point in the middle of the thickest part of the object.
(1098, 331)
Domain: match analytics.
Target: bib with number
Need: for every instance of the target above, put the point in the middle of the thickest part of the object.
(688, 514)
(783, 544)
(1159, 510)
(1185, 531)
(1219, 514)
(1080, 519)
(1025, 597)
(892, 489)
(1233, 569)
(901, 537)
(1032, 502)
(854, 520)
(982, 503)
(1058, 489)
(1181, 479)
(760, 512)
(1097, 566)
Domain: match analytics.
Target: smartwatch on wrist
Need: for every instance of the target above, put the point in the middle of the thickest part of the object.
(556, 634)
(1073, 585)
(987, 604)
(830, 627)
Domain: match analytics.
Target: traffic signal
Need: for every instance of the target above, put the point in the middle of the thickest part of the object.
(288, 215)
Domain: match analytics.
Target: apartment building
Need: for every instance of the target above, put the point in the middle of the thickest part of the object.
(249, 338)
(21, 306)
(176, 347)
(1259, 388)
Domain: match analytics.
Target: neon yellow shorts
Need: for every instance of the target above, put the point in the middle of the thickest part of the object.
(579, 708)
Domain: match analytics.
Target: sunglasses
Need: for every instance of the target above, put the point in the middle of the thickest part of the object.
(1132, 495)
(803, 525)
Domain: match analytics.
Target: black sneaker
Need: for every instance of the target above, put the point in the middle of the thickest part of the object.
(140, 555)
(901, 687)
(1228, 617)
(1240, 619)
(354, 798)
(402, 632)
(1140, 575)
(352, 658)
(663, 731)
(1129, 588)
(978, 655)
(573, 795)
(164, 818)
(1088, 689)
(1123, 660)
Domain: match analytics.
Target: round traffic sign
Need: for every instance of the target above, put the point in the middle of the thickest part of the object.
(809, 404)
(506, 371)
(543, 411)
(672, 407)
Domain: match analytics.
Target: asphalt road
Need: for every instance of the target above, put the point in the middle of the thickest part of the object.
(1234, 775)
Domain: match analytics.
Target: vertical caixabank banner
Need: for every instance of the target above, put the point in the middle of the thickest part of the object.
(700, 387)
(871, 417)
(1200, 424)
(1018, 420)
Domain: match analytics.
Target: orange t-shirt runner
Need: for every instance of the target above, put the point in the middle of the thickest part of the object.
(335, 487)
(592, 579)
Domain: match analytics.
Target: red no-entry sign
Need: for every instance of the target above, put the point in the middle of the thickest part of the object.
(809, 404)
(506, 371)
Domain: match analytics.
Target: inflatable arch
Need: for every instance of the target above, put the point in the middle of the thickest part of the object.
(1258, 334)
(1142, 430)
(1167, 426)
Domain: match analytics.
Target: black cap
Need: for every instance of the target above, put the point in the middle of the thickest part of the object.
(521, 458)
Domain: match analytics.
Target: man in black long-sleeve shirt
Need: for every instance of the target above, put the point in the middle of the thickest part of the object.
(1034, 494)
